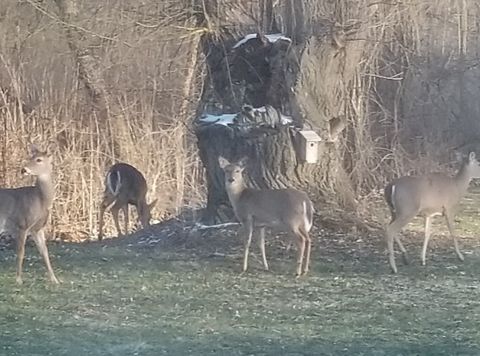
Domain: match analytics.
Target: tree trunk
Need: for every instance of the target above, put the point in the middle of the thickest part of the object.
(303, 78)
(88, 67)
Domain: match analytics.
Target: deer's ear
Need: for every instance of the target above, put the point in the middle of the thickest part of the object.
(34, 149)
(223, 162)
(471, 156)
(242, 162)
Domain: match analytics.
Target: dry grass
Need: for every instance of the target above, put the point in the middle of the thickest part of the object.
(149, 96)
(82, 153)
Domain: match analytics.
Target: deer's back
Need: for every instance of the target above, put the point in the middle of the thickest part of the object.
(426, 194)
(22, 208)
(272, 207)
(133, 186)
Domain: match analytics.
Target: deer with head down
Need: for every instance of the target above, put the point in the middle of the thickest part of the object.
(124, 185)
(427, 195)
(288, 209)
(24, 211)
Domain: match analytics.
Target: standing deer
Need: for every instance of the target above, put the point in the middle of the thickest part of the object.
(288, 209)
(124, 184)
(428, 195)
(24, 211)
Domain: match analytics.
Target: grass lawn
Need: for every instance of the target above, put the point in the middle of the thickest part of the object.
(120, 297)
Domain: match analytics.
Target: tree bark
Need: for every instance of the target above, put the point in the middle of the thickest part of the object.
(88, 67)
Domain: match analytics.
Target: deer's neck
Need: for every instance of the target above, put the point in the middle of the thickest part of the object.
(234, 193)
(463, 178)
(46, 188)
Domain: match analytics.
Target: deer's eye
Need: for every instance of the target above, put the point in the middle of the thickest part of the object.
(38, 160)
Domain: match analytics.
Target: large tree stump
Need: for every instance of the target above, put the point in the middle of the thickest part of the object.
(299, 75)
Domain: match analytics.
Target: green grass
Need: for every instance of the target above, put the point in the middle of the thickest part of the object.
(119, 298)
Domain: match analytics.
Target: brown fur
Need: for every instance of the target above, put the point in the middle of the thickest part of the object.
(125, 185)
(24, 211)
(287, 209)
(427, 195)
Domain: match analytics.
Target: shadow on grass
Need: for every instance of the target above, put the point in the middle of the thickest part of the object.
(155, 342)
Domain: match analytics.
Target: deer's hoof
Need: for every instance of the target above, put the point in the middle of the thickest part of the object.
(19, 281)
(461, 258)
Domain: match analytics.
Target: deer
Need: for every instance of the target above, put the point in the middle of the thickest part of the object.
(288, 209)
(24, 211)
(124, 185)
(428, 195)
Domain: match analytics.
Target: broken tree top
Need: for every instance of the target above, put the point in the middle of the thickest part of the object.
(272, 38)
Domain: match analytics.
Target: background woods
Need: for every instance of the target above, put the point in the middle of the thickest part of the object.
(125, 80)
(105, 82)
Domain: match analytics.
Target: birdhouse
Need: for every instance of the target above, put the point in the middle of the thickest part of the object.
(308, 146)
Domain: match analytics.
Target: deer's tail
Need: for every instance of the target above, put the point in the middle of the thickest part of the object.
(308, 214)
(113, 182)
(389, 194)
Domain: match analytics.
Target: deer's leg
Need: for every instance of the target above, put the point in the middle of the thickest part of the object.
(248, 225)
(126, 217)
(106, 204)
(300, 240)
(402, 248)
(21, 239)
(262, 247)
(115, 210)
(428, 224)
(391, 234)
(308, 240)
(100, 222)
(450, 225)
(39, 238)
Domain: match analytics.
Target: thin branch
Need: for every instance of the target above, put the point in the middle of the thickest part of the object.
(82, 29)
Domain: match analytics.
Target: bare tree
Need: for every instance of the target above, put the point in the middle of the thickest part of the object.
(88, 67)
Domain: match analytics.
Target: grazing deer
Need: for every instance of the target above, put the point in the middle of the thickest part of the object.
(124, 184)
(24, 211)
(428, 195)
(288, 209)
